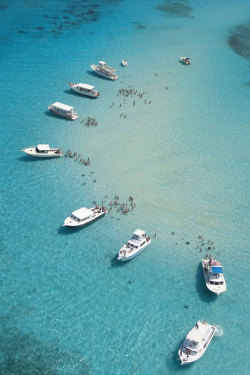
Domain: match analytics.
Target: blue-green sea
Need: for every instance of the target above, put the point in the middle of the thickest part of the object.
(178, 144)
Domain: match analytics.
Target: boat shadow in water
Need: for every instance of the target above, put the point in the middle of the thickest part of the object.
(55, 116)
(93, 74)
(31, 159)
(116, 263)
(204, 293)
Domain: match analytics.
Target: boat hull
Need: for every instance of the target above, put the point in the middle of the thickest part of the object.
(124, 259)
(112, 76)
(86, 222)
(186, 356)
(217, 289)
(64, 116)
(92, 95)
(33, 153)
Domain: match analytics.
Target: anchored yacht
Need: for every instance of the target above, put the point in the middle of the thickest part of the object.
(43, 151)
(84, 216)
(84, 89)
(63, 110)
(185, 60)
(134, 246)
(104, 70)
(213, 275)
(196, 342)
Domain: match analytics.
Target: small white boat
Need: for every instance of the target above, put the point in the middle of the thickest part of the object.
(185, 60)
(84, 89)
(63, 110)
(124, 63)
(135, 245)
(104, 70)
(213, 275)
(43, 151)
(196, 342)
(84, 216)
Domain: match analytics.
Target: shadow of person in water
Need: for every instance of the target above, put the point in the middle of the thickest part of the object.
(204, 294)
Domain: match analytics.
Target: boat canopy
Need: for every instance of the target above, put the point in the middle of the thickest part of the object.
(42, 147)
(139, 233)
(85, 86)
(62, 106)
(102, 64)
(82, 213)
(217, 270)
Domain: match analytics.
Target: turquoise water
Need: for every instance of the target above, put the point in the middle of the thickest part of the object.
(67, 306)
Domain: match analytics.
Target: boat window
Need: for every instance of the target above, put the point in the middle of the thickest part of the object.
(143, 243)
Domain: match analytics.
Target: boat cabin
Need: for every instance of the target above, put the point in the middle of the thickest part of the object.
(81, 214)
(42, 148)
(63, 109)
(104, 66)
(84, 87)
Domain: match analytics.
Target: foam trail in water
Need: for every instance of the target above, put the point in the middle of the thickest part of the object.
(218, 331)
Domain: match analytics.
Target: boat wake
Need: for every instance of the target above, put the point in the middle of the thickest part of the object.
(218, 331)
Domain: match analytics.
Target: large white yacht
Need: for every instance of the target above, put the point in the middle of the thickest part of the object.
(104, 70)
(134, 246)
(63, 110)
(43, 151)
(84, 89)
(84, 216)
(213, 275)
(196, 342)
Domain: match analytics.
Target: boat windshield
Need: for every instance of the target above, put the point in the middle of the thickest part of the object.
(216, 282)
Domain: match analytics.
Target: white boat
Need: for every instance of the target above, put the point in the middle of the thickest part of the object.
(196, 342)
(213, 275)
(134, 246)
(124, 63)
(63, 110)
(104, 70)
(84, 216)
(185, 60)
(84, 89)
(43, 151)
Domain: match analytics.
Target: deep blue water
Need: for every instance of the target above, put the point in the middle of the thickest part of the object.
(66, 306)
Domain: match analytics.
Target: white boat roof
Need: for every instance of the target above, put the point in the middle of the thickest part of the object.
(62, 106)
(85, 86)
(42, 147)
(198, 334)
(139, 232)
(82, 213)
(102, 62)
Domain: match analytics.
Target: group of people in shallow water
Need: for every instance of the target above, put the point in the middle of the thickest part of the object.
(77, 157)
(129, 92)
(208, 245)
(123, 208)
(90, 121)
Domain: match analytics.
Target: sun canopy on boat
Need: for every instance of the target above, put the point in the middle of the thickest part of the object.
(42, 147)
(65, 107)
(217, 270)
(139, 233)
(82, 213)
(85, 86)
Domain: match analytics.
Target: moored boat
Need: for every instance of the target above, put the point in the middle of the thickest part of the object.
(43, 151)
(84, 89)
(104, 70)
(196, 342)
(63, 110)
(213, 275)
(185, 60)
(83, 216)
(124, 63)
(134, 246)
